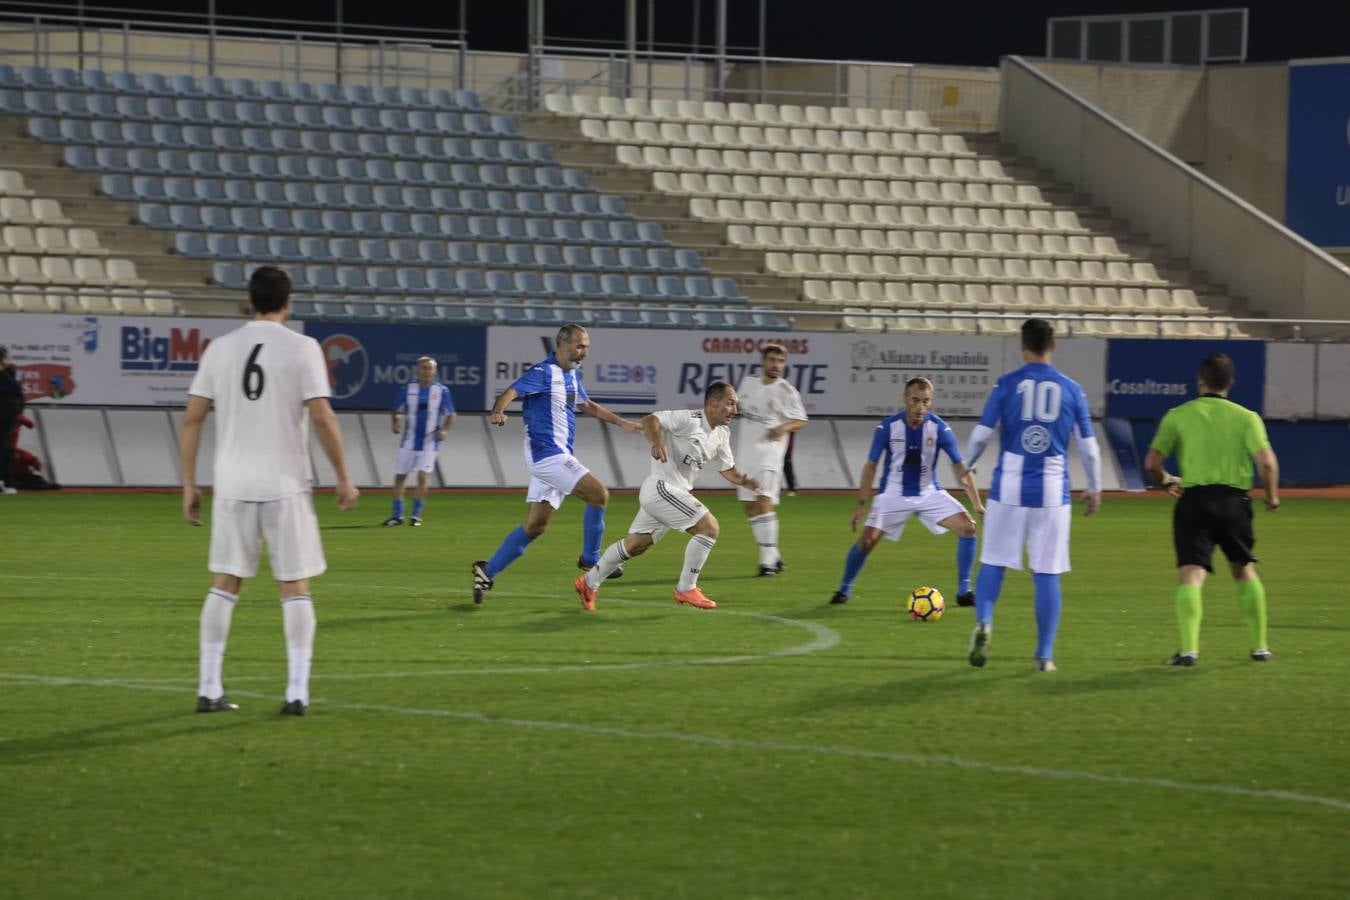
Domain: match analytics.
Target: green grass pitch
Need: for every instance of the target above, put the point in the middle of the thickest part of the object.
(777, 747)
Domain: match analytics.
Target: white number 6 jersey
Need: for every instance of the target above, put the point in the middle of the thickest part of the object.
(258, 377)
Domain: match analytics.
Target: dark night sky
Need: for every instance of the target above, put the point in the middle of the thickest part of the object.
(976, 32)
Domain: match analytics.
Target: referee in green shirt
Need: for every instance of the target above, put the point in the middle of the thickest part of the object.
(1216, 441)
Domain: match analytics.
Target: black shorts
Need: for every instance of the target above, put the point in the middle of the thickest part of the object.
(1213, 514)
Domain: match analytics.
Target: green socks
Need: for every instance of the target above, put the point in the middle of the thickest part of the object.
(1252, 599)
(1188, 617)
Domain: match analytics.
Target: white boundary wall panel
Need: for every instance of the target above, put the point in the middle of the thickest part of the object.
(592, 449)
(855, 436)
(508, 442)
(466, 453)
(815, 459)
(206, 447)
(383, 446)
(1333, 374)
(635, 460)
(81, 452)
(147, 450)
(1291, 385)
(354, 452)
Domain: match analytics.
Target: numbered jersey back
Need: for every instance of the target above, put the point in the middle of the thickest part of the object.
(1037, 409)
(258, 378)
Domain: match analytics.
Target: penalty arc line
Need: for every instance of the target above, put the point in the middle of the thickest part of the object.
(910, 759)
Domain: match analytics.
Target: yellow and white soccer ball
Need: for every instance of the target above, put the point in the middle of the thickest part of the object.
(926, 604)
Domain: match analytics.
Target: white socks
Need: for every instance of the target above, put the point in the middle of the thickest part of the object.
(765, 528)
(695, 555)
(215, 630)
(614, 556)
(300, 623)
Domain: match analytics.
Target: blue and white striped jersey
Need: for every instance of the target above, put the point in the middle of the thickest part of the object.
(549, 397)
(423, 408)
(1037, 408)
(910, 466)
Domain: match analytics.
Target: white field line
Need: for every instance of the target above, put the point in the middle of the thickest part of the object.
(908, 759)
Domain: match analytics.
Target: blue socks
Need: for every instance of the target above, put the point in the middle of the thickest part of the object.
(509, 551)
(417, 508)
(398, 509)
(988, 584)
(1047, 613)
(965, 562)
(592, 534)
(852, 566)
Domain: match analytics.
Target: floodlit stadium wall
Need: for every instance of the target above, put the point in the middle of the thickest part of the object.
(94, 382)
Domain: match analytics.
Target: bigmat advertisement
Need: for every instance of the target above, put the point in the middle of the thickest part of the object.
(108, 360)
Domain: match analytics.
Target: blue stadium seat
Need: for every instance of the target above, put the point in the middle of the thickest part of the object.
(671, 287)
(427, 225)
(654, 316)
(174, 190)
(418, 198)
(770, 321)
(100, 132)
(71, 105)
(253, 246)
(548, 256)
(316, 249)
(90, 79)
(251, 219)
(539, 152)
(126, 83)
(542, 311)
(643, 287)
(688, 261)
(222, 112)
(556, 284)
(157, 216)
(662, 258)
(700, 288)
(122, 187)
(249, 113)
(393, 120)
(35, 77)
(186, 86)
(343, 249)
(285, 248)
(309, 117)
(11, 101)
(470, 281)
(395, 223)
(485, 150)
(433, 252)
(576, 180)
(197, 246)
(58, 131)
(711, 317)
(589, 287)
(632, 259)
(611, 207)
(549, 178)
(227, 274)
(726, 290)
(404, 250)
(648, 232)
(208, 190)
(616, 286)
(383, 278)
(540, 230)
(462, 253)
(594, 231)
(215, 86)
(39, 103)
(508, 311)
(373, 250)
(567, 231)
(520, 256)
(300, 92)
(347, 278)
(155, 83)
(299, 193)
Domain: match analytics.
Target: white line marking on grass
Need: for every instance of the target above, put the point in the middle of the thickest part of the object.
(910, 759)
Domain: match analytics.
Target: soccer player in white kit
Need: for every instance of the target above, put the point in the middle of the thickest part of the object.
(423, 413)
(262, 379)
(683, 443)
(770, 409)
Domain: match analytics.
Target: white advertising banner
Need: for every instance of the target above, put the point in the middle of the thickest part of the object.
(108, 360)
(837, 374)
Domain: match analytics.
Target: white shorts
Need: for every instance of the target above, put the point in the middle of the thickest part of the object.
(890, 512)
(664, 507)
(421, 460)
(769, 481)
(1043, 530)
(288, 526)
(552, 479)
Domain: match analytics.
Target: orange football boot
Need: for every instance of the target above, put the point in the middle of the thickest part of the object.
(585, 592)
(694, 597)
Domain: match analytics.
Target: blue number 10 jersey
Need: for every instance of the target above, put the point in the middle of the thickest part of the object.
(1037, 409)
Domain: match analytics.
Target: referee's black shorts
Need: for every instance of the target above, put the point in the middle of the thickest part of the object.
(1213, 514)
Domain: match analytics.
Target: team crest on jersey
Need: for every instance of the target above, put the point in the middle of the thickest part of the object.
(1035, 439)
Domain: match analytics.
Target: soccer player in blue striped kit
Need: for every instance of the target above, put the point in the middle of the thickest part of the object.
(909, 441)
(423, 413)
(551, 393)
(1038, 409)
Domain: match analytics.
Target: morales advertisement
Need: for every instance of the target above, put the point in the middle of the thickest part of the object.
(367, 363)
(1146, 378)
(108, 360)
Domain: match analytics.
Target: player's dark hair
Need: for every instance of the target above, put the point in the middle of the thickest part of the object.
(569, 332)
(1038, 336)
(715, 391)
(772, 348)
(919, 380)
(1217, 372)
(268, 289)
